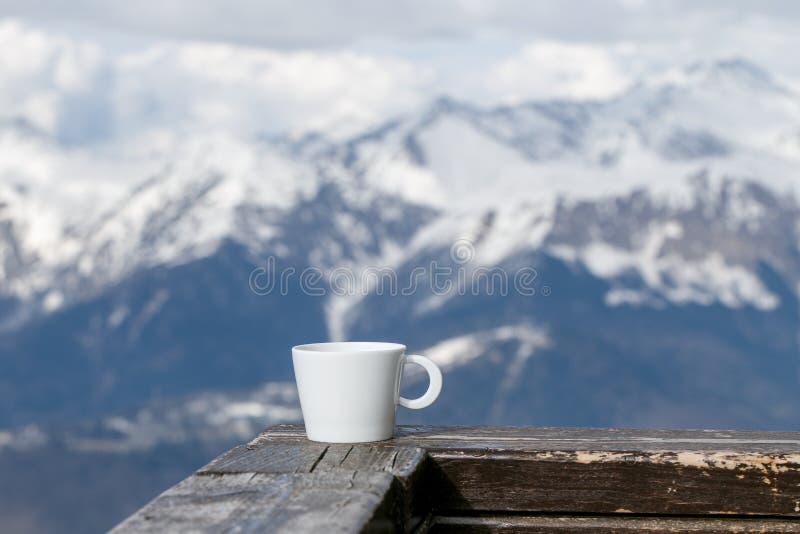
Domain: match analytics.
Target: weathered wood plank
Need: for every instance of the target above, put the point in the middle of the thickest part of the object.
(290, 486)
(268, 456)
(604, 525)
(603, 482)
(400, 461)
(521, 439)
(604, 470)
(315, 502)
(280, 481)
(407, 464)
(279, 458)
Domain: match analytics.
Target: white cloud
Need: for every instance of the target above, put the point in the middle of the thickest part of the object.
(251, 89)
(41, 74)
(76, 92)
(75, 74)
(549, 69)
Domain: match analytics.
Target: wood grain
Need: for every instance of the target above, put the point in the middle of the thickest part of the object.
(606, 525)
(333, 502)
(278, 458)
(619, 482)
(521, 439)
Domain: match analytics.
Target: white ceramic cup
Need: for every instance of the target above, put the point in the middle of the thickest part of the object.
(349, 391)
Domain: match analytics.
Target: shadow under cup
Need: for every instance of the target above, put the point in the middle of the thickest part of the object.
(349, 391)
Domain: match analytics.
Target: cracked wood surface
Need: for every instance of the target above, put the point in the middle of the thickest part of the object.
(280, 481)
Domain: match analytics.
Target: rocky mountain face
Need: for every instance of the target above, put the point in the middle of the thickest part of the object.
(629, 262)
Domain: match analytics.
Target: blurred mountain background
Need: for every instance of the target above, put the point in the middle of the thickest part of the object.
(149, 165)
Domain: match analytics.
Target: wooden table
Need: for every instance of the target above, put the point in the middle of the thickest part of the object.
(492, 479)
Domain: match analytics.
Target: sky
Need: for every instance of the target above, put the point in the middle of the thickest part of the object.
(89, 70)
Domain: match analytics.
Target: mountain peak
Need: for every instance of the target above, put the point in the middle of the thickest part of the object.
(445, 105)
(713, 75)
(732, 72)
(732, 69)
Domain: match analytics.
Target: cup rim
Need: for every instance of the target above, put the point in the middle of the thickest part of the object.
(339, 347)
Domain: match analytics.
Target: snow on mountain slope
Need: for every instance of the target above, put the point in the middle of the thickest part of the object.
(461, 350)
(510, 179)
(48, 194)
(731, 104)
(669, 275)
(193, 203)
(88, 218)
(653, 136)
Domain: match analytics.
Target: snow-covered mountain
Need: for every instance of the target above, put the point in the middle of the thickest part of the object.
(680, 193)
(90, 216)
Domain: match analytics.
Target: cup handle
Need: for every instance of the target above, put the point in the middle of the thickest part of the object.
(434, 387)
